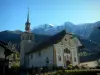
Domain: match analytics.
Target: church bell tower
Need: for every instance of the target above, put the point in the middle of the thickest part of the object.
(26, 44)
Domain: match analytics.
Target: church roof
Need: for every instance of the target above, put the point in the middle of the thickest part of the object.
(39, 37)
(50, 41)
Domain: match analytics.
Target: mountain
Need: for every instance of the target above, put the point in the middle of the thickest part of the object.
(82, 30)
(87, 33)
(95, 35)
(42, 29)
(10, 36)
(49, 29)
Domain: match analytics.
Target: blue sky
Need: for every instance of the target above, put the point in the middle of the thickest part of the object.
(13, 13)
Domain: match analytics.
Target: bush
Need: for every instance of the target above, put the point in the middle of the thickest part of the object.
(69, 67)
(83, 67)
(76, 67)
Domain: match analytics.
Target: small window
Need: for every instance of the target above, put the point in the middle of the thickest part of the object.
(65, 39)
(39, 53)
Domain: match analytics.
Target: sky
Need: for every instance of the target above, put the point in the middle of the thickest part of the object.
(13, 13)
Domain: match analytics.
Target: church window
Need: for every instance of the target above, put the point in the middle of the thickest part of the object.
(66, 50)
(65, 39)
(39, 53)
(59, 58)
(74, 59)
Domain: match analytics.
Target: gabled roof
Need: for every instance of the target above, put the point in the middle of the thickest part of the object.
(7, 51)
(49, 41)
(40, 37)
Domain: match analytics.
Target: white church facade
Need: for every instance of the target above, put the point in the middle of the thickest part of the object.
(55, 51)
(58, 50)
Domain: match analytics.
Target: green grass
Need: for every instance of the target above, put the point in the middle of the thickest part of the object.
(70, 72)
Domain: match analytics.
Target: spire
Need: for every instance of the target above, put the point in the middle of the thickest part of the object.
(28, 16)
(27, 27)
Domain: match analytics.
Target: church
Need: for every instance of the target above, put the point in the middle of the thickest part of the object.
(58, 50)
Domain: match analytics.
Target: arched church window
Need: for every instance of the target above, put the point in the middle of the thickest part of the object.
(59, 58)
(66, 50)
(74, 59)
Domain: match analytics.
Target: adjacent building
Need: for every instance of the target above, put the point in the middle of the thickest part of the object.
(4, 52)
